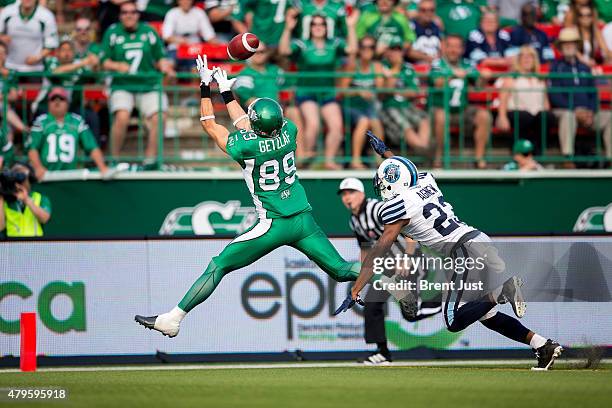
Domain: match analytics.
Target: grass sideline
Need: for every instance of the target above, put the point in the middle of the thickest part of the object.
(461, 386)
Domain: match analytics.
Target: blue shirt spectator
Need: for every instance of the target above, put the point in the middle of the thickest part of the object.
(580, 79)
(426, 47)
(478, 48)
(528, 34)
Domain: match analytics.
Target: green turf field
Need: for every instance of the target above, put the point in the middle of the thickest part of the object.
(378, 387)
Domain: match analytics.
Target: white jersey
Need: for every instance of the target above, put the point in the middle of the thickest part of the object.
(432, 220)
(28, 36)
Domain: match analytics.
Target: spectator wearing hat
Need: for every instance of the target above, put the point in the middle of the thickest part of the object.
(56, 136)
(578, 106)
(366, 224)
(523, 157)
(528, 34)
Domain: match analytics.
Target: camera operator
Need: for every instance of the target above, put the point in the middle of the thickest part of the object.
(24, 212)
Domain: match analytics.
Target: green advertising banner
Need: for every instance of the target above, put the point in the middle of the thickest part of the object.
(192, 203)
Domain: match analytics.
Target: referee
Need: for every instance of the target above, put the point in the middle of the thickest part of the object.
(367, 227)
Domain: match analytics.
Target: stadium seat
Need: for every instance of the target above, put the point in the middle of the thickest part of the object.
(213, 51)
(157, 26)
(551, 30)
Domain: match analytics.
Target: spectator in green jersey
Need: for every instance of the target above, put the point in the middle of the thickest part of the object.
(364, 75)
(264, 18)
(333, 11)
(316, 95)
(84, 46)
(24, 213)
(135, 51)
(399, 114)
(55, 138)
(450, 75)
(460, 16)
(387, 25)
(13, 122)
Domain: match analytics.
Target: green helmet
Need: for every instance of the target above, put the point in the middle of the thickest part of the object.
(266, 117)
(522, 146)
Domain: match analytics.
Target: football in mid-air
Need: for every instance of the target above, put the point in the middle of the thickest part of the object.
(242, 46)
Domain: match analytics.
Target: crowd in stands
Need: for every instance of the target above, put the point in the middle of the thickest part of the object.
(401, 68)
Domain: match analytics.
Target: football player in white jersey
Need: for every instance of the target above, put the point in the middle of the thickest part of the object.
(415, 207)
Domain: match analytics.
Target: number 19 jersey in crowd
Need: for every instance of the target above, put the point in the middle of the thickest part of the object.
(269, 170)
(432, 220)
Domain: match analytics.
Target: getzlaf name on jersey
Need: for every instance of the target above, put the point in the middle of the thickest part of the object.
(432, 220)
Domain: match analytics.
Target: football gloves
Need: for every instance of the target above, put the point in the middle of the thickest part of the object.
(378, 145)
(348, 303)
(206, 74)
(220, 76)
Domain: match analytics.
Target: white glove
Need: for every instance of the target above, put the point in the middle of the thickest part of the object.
(221, 78)
(206, 75)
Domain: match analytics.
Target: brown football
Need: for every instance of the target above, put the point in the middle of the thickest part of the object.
(242, 46)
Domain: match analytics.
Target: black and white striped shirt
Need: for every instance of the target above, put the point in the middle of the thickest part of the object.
(368, 227)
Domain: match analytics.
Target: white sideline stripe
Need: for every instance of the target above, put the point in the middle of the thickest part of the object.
(212, 366)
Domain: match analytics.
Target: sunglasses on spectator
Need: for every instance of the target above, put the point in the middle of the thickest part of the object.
(57, 98)
(368, 46)
(81, 29)
(396, 48)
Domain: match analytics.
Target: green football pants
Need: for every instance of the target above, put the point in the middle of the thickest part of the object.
(299, 231)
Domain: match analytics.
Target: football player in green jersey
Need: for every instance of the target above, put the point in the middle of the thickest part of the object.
(55, 138)
(264, 145)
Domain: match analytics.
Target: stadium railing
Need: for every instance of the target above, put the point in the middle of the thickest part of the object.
(182, 142)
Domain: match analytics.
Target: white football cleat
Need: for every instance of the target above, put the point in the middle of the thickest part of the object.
(164, 323)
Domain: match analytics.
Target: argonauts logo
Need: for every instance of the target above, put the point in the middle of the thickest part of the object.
(392, 173)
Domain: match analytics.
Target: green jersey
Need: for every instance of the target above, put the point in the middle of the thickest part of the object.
(309, 58)
(68, 81)
(460, 16)
(252, 83)
(387, 29)
(268, 18)
(406, 80)
(361, 81)
(604, 9)
(7, 151)
(332, 10)
(457, 92)
(158, 7)
(141, 49)
(4, 3)
(57, 142)
(92, 48)
(268, 166)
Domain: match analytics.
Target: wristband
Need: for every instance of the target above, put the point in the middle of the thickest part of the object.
(228, 96)
(245, 116)
(203, 118)
(204, 91)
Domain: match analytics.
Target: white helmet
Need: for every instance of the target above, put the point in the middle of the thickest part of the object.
(394, 174)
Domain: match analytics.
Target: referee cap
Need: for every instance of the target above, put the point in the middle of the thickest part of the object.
(351, 183)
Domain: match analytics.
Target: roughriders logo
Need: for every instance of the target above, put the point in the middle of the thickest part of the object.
(595, 219)
(209, 218)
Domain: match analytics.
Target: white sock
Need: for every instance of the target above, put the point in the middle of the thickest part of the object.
(537, 341)
(177, 313)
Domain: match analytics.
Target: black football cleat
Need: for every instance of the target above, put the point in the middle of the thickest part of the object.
(161, 323)
(512, 293)
(547, 354)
